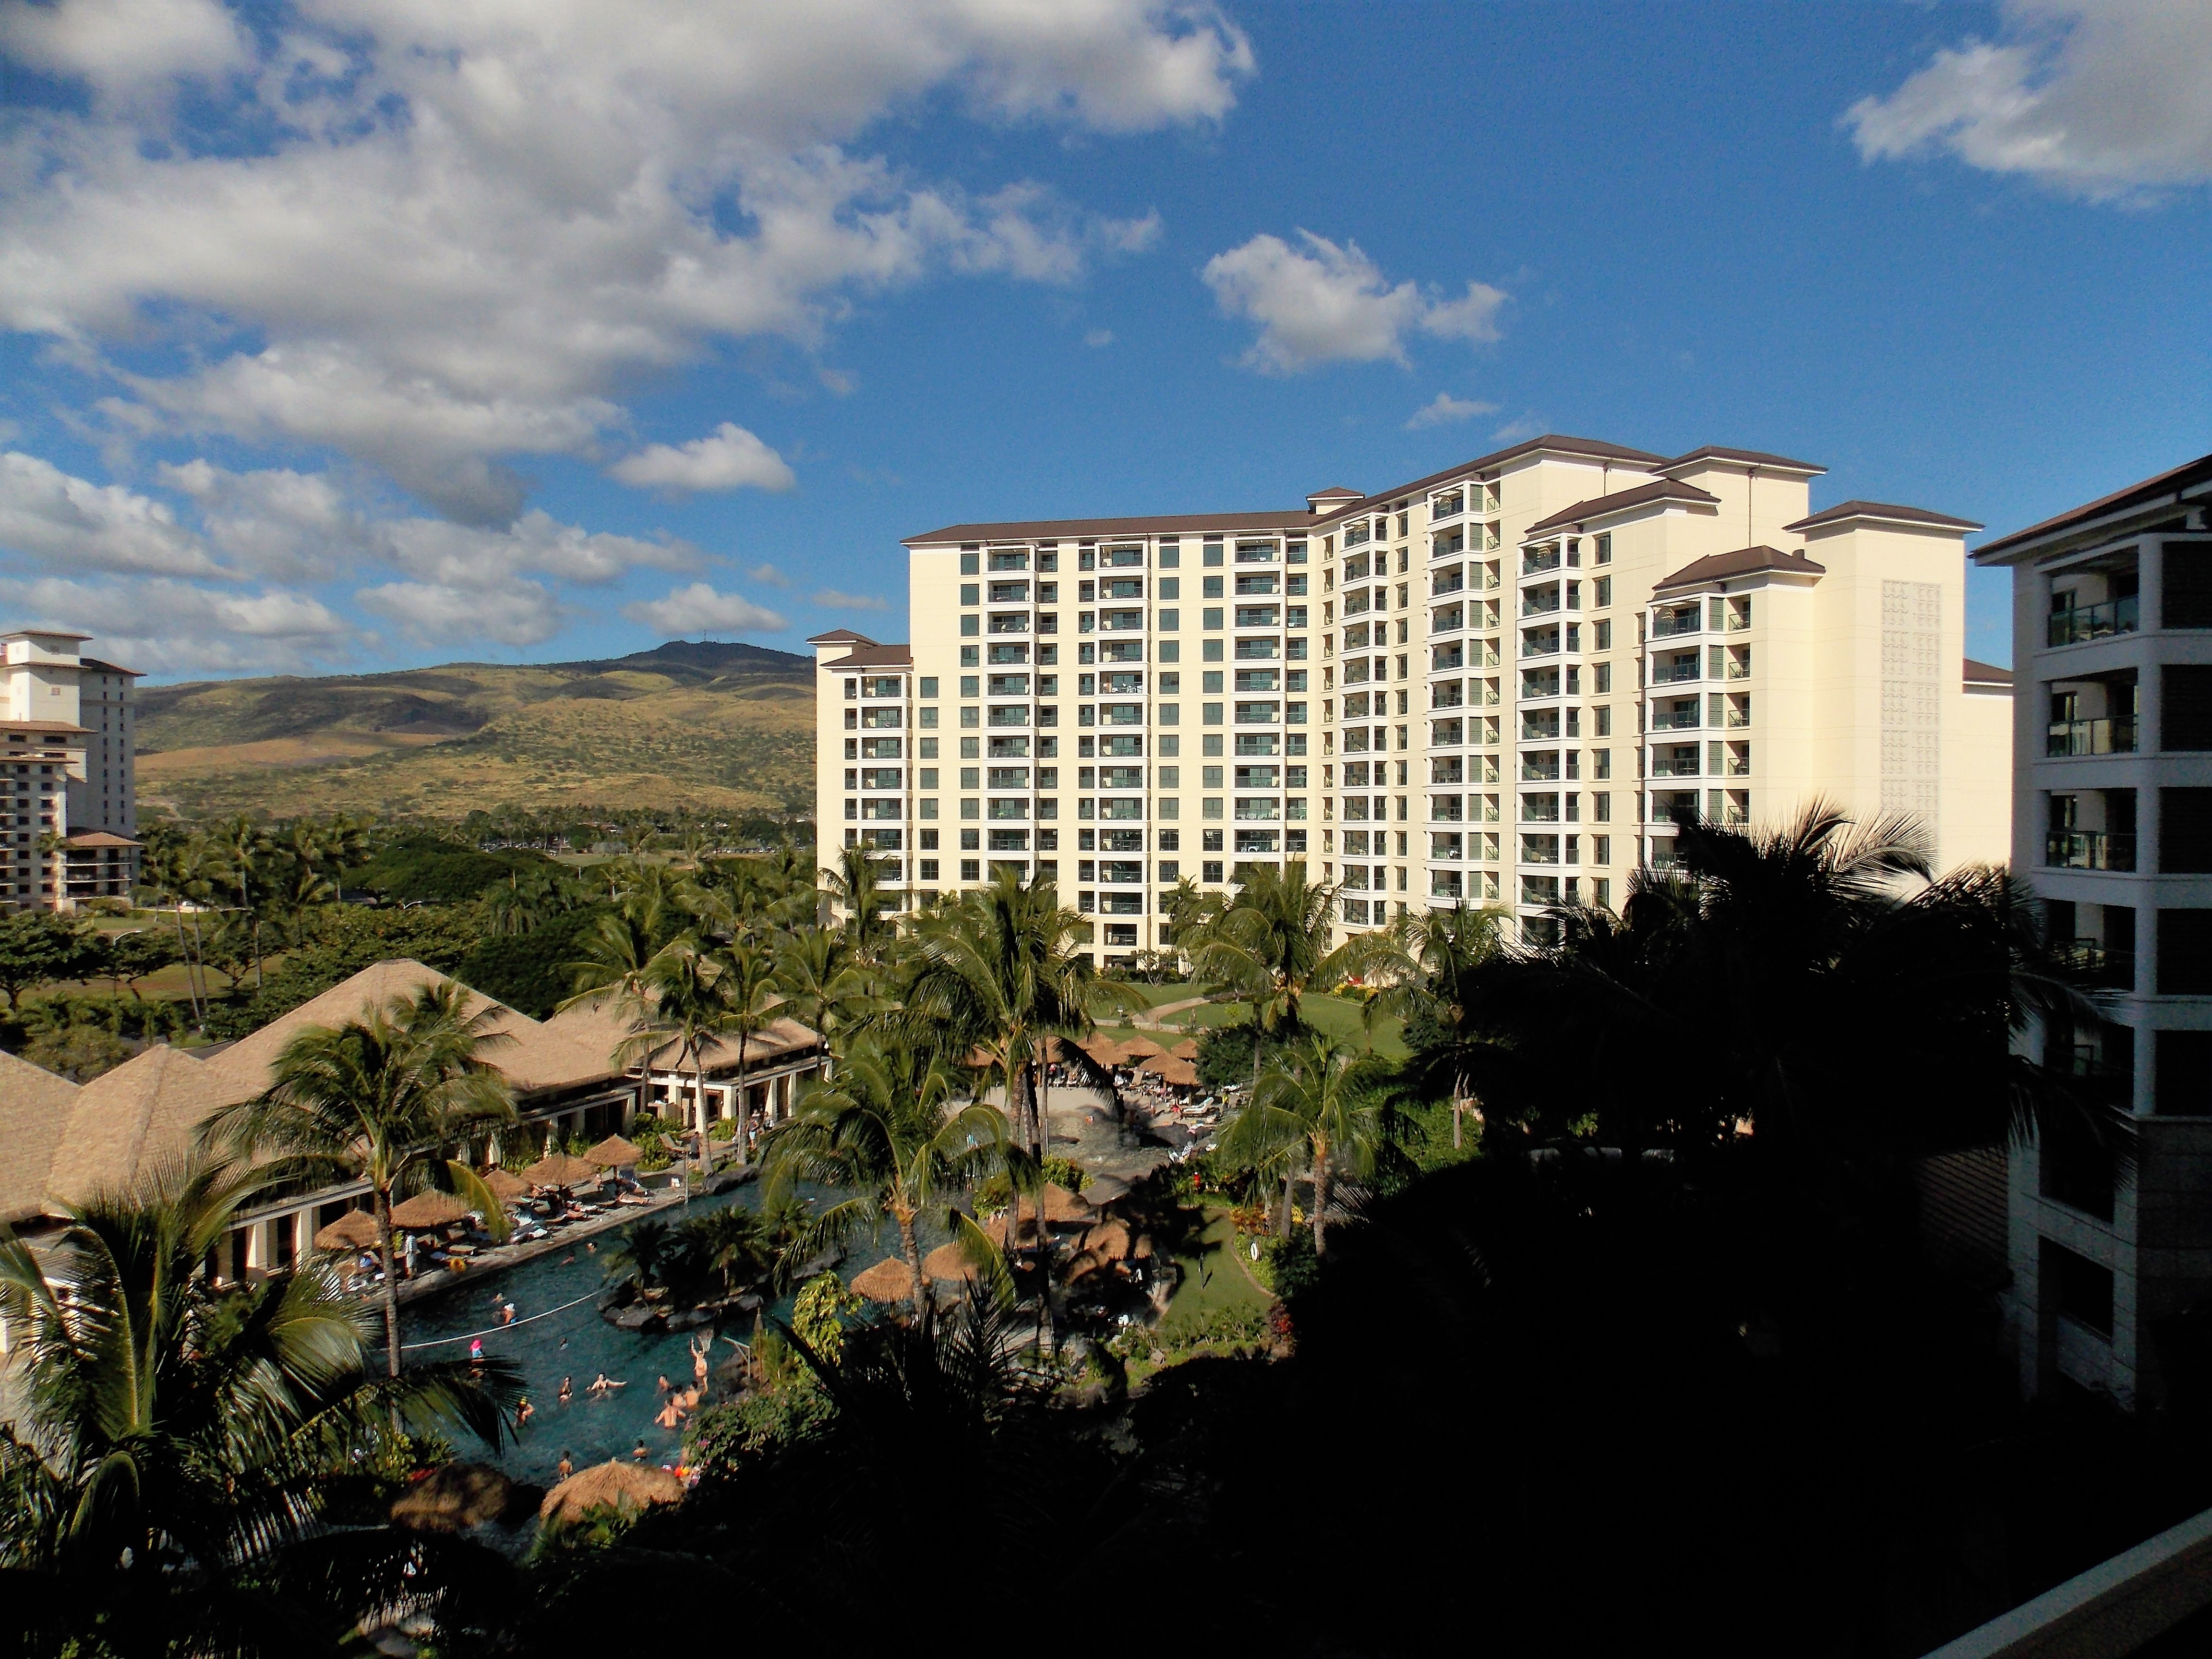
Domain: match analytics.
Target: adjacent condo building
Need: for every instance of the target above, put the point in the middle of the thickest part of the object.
(69, 815)
(2112, 822)
(1506, 683)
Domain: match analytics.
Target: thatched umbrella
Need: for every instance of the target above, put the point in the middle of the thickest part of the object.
(614, 1153)
(507, 1186)
(888, 1280)
(1101, 1048)
(354, 1230)
(1109, 1241)
(1177, 1073)
(947, 1262)
(627, 1488)
(559, 1169)
(1141, 1048)
(1187, 1049)
(1061, 1205)
(429, 1209)
(458, 1496)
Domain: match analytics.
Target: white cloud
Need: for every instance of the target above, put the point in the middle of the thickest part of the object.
(1320, 302)
(730, 459)
(162, 626)
(432, 237)
(1445, 408)
(2102, 99)
(833, 598)
(700, 610)
(1099, 337)
(49, 516)
(515, 613)
(770, 575)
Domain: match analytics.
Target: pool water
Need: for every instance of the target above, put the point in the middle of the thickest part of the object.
(578, 1344)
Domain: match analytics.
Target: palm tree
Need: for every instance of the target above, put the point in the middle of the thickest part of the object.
(1321, 1100)
(383, 1100)
(886, 1132)
(855, 887)
(819, 979)
(999, 972)
(1429, 977)
(171, 1441)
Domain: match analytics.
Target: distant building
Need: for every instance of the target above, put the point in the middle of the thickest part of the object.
(69, 815)
(1508, 682)
(2112, 822)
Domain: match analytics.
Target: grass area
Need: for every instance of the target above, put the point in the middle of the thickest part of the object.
(1213, 1282)
(1337, 1016)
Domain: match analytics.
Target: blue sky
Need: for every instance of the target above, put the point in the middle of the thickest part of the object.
(351, 335)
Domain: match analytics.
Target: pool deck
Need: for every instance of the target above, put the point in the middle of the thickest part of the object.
(438, 1281)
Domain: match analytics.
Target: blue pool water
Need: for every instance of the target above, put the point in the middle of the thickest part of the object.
(578, 1344)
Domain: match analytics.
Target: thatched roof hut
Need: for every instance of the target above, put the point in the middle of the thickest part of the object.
(354, 1230)
(1062, 1206)
(1141, 1048)
(1187, 1049)
(627, 1488)
(429, 1209)
(888, 1280)
(1177, 1073)
(947, 1262)
(614, 1153)
(559, 1169)
(507, 1186)
(454, 1497)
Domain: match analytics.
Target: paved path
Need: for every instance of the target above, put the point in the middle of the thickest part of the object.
(1157, 1019)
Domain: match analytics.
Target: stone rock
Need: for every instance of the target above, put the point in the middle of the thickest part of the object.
(640, 1318)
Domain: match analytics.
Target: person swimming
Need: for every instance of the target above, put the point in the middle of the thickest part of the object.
(603, 1384)
(567, 1465)
(663, 1385)
(669, 1415)
(523, 1411)
(639, 1451)
(567, 1390)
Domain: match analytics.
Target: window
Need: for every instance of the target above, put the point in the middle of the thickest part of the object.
(2182, 1084)
(2079, 1289)
(1604, 554)
(2184, 831)
(2184, 952)
(1604, 591)
(2188, 600)
(2187, 707)
(968, 563)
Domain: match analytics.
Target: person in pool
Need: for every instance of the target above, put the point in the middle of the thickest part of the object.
(639, 1451)
(567, 1390)
(567, 1465)
(523, 1411)
(603, 1384)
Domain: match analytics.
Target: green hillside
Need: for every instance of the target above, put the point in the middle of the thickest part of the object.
(706, 727)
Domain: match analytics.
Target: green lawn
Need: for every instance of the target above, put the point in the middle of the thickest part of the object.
(1212, 1280)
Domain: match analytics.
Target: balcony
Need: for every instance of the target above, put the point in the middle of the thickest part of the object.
(1680, 719)
(1678, 766)
(1017, 624)
(1448, 507)
(1670, 673)
(1447, 583)
(2090, 963)
(2088, 849)
(1544, 645)
(2096, 621)
(1539, 732)
(1533, 605)
(1536, 562)
(1672, 624)
(2116, 736)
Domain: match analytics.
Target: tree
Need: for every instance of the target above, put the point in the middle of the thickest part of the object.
(884, 1130)
(383, 1100)
(38, 947)
(822, 985)
(998, 971)
(172, 1442)
(855, 887)
(1321, 1099)
(1269, 946)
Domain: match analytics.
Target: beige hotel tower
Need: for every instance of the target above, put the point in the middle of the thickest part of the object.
(1506, 683)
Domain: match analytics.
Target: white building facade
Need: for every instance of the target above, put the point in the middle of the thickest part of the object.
(69, 820)
(2112, 823)
(1506, 683)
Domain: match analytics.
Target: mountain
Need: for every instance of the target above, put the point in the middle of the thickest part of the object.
(708, 726)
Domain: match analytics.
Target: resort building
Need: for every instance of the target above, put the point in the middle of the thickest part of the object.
(2112, 822)
(1509, 683)
(60, 1141)
(69, 816)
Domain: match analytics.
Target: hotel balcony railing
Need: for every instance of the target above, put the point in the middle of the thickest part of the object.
(1439, 587)
(1667, 627)
(1009, 625)
(1531, 772)
(1539, 648)
(1736, 766)
(1531, 733)
(2116, 736)
(1447, 506)
(1737, 668)
(1536, 564)
(1534, 608)
(1735, 718)
(2088, 849)
(2090, 963)
(1670, 673)
(1687, 768)
(2096, 621)
(1685, 720)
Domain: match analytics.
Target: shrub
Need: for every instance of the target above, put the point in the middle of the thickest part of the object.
(419, 870)
(530, 973)
(1225, 1055)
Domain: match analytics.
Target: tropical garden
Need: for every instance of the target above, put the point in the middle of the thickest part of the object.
(1605, 1312)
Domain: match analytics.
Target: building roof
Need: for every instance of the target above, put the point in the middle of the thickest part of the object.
(1335, 493)
(602, 1023)
(1744, 562)
(1660, 489)
(1881, 512)
(1030, 530)
(97, 666)
(1986, 673)
(65, 727)
(535, 1060)
(876, 656)
(1551, 443)
(44, 634)
(838, 636)
(100, 838)
(35, 1111)
(133, 1120)
(2158, 490)
(1746, 456)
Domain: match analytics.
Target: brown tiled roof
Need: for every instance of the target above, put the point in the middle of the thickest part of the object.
(837, 635)
(1890, 510)
(1552, 443)
(601, 1024)
(65, 726)
(1748, 457)
(98, 668)
(1180, 524)
(876, 656)
(1336, 493)
(133, 1119)
(1986, 673)
(35, 1111)
(100, 838)
(1661, 489)
(537, 1058)
(2171, 481)
(1741, 563)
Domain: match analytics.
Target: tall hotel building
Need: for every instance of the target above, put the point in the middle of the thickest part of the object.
(1506, 683)
(69, 811)
(2112, 822)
